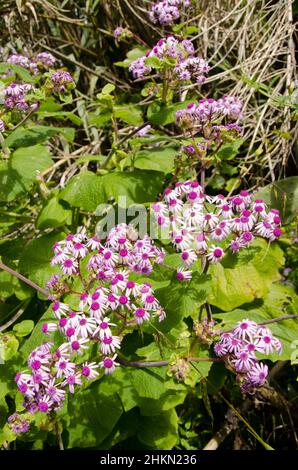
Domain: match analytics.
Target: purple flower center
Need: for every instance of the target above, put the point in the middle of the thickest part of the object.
(108, 362)
(62, 322)
(43, 406)
(75, 345)
(70, 331)
(95, 306)
(140, 312)
(217, 253)
(35, 365)
(130, 284)
(107, 340)
(68, 263)
(86, 371)
(123, 299)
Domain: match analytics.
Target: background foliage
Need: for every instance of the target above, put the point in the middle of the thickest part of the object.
(73, 156)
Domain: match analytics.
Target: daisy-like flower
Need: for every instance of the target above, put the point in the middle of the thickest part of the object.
(150, 302)
(48, 328)
(245, 329)
(109, 344)
(258, 374)
(89, 371)
(79, 250)
(71, 380)
(183, 275)
(109, 364)
(69, 266)
(64, 368)
(243, 361)
(188, 257)
(215, 254)
(54, 392)
(86, 326)
(141, 315)
(264, 229)
(59, 309)
(78, 345)
(103, 329)
(45, 403)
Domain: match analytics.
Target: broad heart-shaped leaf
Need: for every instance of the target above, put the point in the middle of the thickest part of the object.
(161, 431)
(183, 299)
(84, 190)
(35, 260)
(282, 195)
(53, 215)
(28, 161)
(281, 300)
(229, 150)
(87, 190)
(129, 113)
(93, 415)
(158, 159)
(148, 383)
(17, 175)
(136, 186)
(245, 277)
(26, 137)
(162, 114)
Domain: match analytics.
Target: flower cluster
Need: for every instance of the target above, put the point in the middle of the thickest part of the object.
(33, 64)
(239, 348)
(62, 81)
(208, 111)
(15, 96)
(209, 226)
(175, 55)
(122, 33)
(18, 424)
(108, 303)
(167, 11)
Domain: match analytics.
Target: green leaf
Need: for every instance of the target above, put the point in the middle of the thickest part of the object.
(161, 431)
(229, 150)
(136, 186)
(36, 258)
(26, 137)
(84, 190)
(157, 159)
(108, 89)
(148, 383)
(53, 215)
(245, 277)
(164, 114)
(129, 113)
(93, 416)
(282, 195)
(183, 299)
(154, 62)
(18, 70)
(11, 346)
(132, 55)
(17, 175)
(281, 300)
(24, 328)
